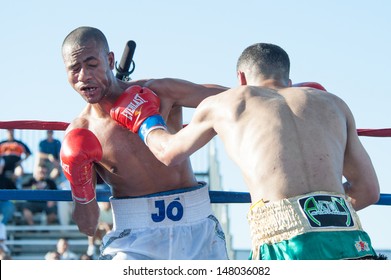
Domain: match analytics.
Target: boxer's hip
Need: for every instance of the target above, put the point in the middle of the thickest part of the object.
(169, 208)
(290, 222)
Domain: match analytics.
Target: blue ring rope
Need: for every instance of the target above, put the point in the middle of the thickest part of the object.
(103, 195)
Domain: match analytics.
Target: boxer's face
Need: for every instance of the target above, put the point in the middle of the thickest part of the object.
(89, 69)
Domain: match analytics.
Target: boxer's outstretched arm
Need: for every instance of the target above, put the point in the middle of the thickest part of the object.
(137, 109)
(172, 149)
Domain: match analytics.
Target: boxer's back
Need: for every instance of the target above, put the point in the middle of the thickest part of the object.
(286, 143)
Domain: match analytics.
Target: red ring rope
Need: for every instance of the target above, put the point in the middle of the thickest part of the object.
(38, 125)
(54, 125)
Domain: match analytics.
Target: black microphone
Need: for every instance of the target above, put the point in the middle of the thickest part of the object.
(123, 70)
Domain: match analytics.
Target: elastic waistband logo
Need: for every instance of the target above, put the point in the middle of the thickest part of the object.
(326, 211)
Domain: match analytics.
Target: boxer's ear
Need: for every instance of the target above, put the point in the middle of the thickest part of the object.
(110, 57)
(242, 78)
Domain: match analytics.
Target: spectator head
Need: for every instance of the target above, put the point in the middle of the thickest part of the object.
(62, 245)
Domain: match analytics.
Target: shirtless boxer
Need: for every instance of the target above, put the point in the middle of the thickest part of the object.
(159, 212)
(293, 146)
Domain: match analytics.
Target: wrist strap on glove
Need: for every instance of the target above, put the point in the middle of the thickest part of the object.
(151, 123)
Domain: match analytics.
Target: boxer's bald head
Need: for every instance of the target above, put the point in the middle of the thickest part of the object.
(84, 34)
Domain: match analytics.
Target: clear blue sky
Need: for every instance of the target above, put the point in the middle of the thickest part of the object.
(341, 44)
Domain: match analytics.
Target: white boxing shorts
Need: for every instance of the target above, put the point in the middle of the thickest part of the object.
(176, 225)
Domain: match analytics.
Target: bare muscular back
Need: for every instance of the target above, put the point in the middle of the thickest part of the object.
(294, 145)
(127, 164)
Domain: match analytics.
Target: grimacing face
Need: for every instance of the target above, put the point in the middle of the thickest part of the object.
(88, 70)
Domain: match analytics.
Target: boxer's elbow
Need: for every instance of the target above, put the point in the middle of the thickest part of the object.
(86, 217)
(372, 190)
(168, 158)
(169, 154)
(89, 231)
(374, 195)
(86, 227)
(165, 148)
(364, 199)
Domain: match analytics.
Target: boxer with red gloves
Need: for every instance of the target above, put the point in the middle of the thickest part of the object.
(310, 84)
(154, 217)
(137, 109)
(80, 149)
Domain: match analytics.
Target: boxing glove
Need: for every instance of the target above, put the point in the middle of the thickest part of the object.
(80, 149)
(137, 109)
(311, 85)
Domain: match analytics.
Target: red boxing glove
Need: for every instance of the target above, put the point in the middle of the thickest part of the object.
(134, 106)
(311, 85)
(80, 149)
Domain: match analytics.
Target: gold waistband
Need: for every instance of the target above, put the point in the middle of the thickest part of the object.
(276, 221)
